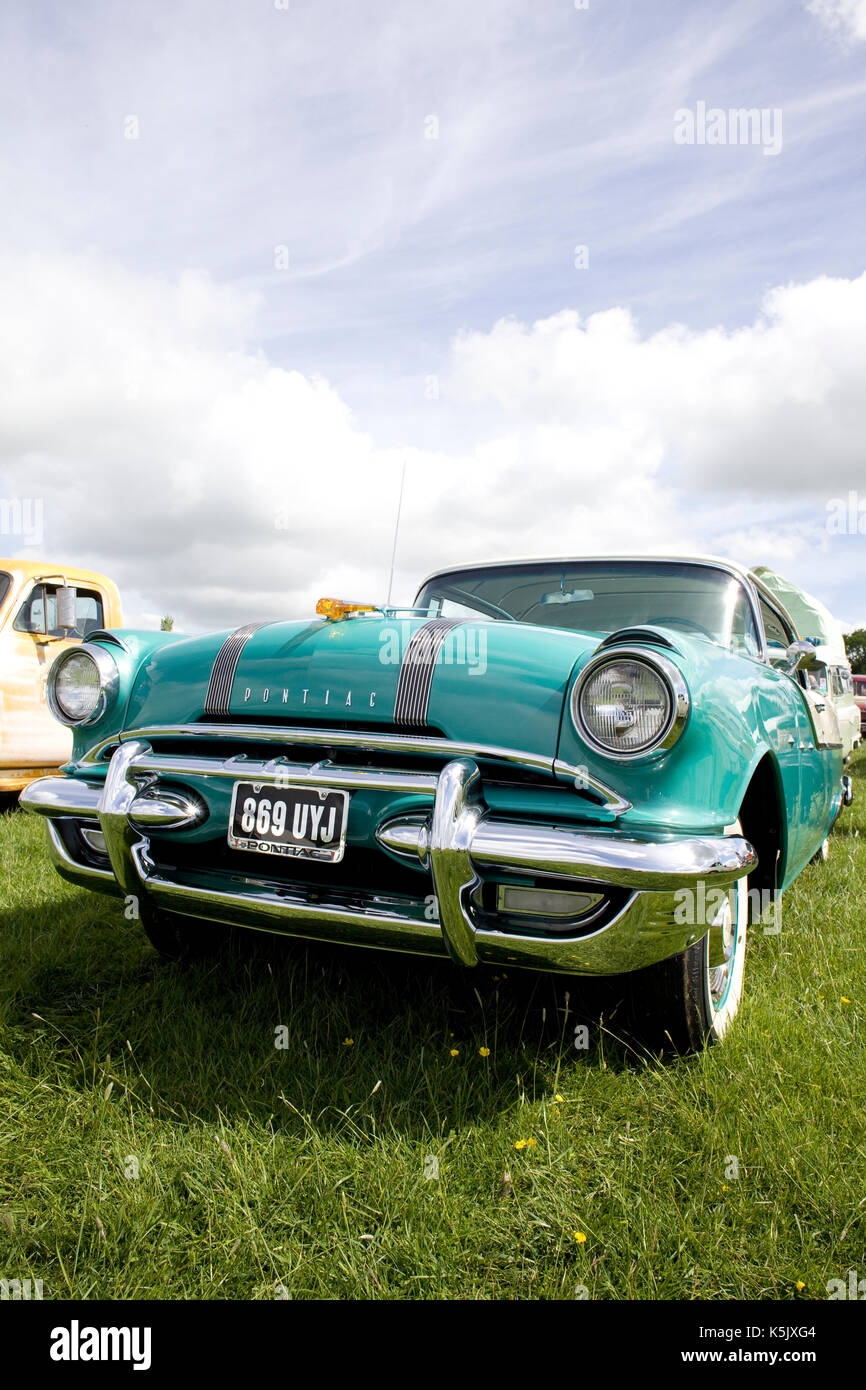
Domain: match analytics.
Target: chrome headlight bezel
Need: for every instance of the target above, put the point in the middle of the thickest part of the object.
(109, 680)
(672, 679)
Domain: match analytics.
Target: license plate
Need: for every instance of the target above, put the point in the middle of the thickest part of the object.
(301, 822)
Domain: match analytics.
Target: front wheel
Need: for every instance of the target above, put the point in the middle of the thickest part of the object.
(187, 939)
(691, 999)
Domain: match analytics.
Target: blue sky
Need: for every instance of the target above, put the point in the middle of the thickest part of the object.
(156, 345)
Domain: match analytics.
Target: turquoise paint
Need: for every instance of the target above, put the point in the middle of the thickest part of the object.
(509, 685)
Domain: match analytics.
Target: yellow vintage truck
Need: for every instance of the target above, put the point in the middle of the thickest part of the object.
(44, 609)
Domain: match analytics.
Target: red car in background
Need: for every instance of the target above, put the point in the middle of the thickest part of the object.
(860, 699)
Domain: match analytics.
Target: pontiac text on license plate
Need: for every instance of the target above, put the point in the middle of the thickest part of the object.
(302, 822)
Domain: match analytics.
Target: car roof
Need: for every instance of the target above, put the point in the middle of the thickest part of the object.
(713, 561)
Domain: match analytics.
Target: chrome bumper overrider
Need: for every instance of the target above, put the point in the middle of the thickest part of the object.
(458, 842)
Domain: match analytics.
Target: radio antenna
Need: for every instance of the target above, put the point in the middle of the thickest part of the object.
(396, 530)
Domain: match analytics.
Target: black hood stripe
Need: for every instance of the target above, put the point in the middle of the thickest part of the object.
(416, 671)
(219, 691)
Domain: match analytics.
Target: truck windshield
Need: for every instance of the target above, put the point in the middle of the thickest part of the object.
(601, 596)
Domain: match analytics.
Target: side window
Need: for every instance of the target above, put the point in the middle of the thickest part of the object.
(744, 636)
(38, 613)
(779, 638)
(88, 612)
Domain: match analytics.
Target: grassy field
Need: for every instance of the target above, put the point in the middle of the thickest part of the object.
(154, 1142)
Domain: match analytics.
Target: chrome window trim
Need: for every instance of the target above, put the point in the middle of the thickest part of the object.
(764, 595)
(673, 680)
(109, 681)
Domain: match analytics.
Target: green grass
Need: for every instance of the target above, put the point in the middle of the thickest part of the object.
(308, 1167)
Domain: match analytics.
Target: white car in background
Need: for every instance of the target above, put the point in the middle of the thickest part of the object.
(831, 678)
(829, 682)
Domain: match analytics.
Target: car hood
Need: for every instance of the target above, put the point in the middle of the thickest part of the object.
(492, 682)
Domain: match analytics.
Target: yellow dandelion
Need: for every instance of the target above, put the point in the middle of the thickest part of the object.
(520, 1143)
(845, 999)
(530, 1143)
(348, 1042)
(484, 1051)
(725, 1187)
(580, 1237)
(799, 1286)
(558, 1099)
(455, 1052)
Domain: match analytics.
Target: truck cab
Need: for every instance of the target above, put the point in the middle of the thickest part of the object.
(45, 609)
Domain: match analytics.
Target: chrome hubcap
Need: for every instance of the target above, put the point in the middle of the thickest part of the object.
(724, 931)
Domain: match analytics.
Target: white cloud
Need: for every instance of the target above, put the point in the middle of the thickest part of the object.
(774, 407)
(845, 16)
(217, 486)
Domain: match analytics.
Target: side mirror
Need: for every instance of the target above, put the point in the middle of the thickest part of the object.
(800, 656)
(66, 606)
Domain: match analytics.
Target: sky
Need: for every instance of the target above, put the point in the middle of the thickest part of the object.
(257, 258)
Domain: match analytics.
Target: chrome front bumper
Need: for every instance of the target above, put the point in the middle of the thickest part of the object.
(459, 843)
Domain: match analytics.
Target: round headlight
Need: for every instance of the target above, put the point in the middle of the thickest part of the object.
(626, 705)
(80, 684)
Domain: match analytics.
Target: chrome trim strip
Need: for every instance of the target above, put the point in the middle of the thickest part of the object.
(219, 691)
(417, 669)
(371, 742)
(279, 772)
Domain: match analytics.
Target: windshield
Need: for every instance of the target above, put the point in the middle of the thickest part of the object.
(601, 596)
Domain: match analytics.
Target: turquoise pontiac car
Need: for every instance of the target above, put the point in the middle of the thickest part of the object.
(601, 767)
